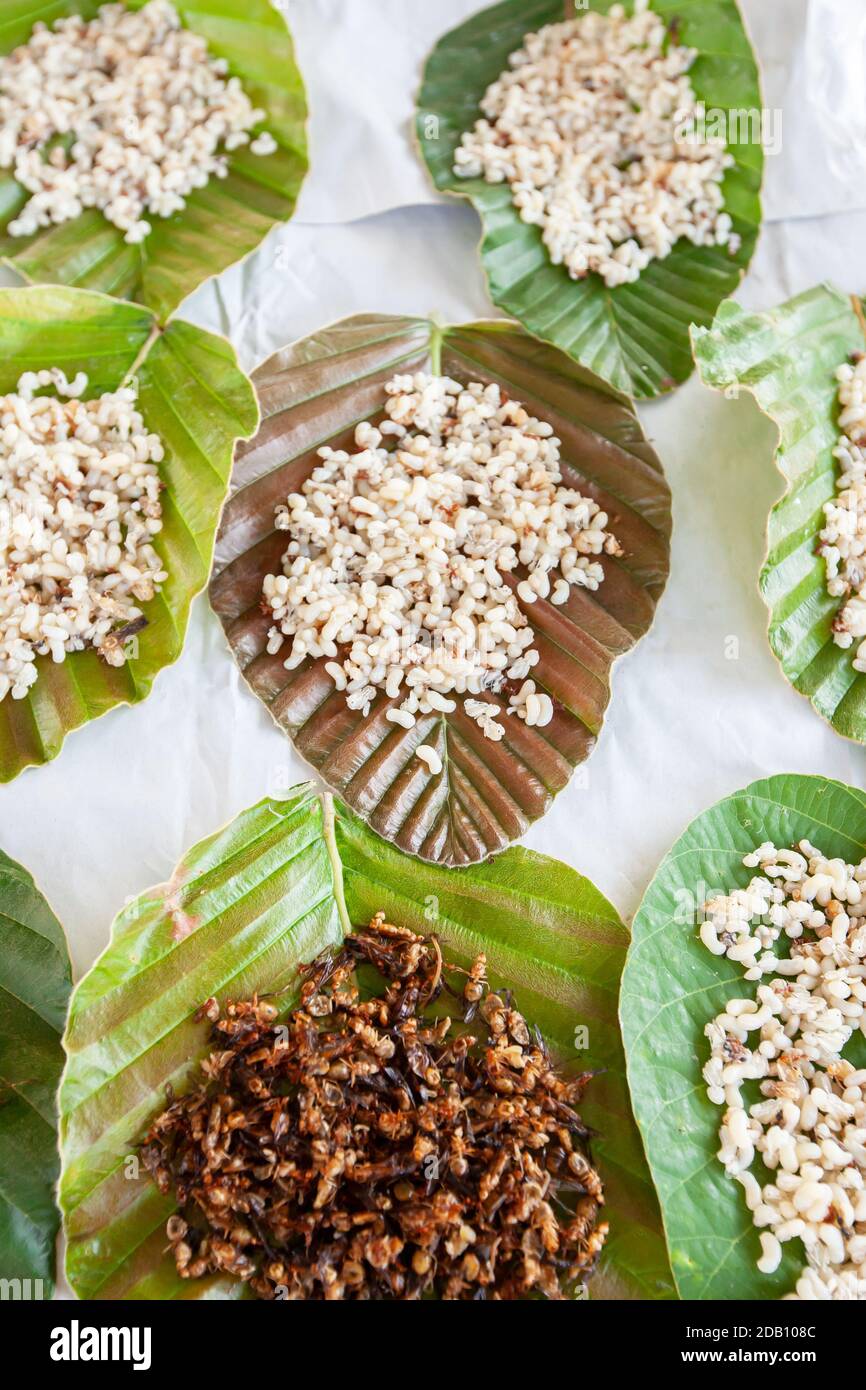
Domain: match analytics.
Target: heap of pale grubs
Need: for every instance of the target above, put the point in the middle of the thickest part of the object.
(126, 112)
(396, 567)
(79, 507)
(378, 1148)
(809, 1130)
(842, 542)
(596, 129)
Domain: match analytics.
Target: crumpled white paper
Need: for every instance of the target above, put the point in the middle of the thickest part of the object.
(362, 62)
(816, 80)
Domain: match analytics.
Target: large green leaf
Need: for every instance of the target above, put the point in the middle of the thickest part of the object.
(314, 393)
(635, 336)
(221, 222)
(672, 987)
(35, 980)
(787, 357)
(241, 911)
(194, 396)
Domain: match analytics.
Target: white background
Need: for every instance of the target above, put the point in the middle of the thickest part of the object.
(686, 725)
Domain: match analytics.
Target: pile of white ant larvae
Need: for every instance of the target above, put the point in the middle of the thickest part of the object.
(595, 127)
(396, 567)
(79, 508)
(809, 1131)
(842, 542)
(126, 112)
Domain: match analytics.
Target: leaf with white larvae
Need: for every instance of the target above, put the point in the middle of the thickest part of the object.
(788, 359)
(150, 111)
(219, 222)
(398, 557)
(79, 483)
(35, 981)
(674, 987)
(197, 425)
(273, 889)
(499, 771)
(798, 1152)
(600, 165)
(635, 335)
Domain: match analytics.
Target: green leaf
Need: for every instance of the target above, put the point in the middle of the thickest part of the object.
(787, 357)
(673, 986)
(35, 980)
(314, 393)
(635, 336)
(241, 911)
(222, 222)
(194, 396)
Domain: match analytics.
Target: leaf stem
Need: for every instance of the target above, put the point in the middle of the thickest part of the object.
(436, 335)
(330, 837)
(857, 305)
(141, 357)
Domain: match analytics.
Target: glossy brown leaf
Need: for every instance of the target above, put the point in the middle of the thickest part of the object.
(315, 392)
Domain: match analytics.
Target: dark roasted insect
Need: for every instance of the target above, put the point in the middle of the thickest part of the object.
(375, 1147)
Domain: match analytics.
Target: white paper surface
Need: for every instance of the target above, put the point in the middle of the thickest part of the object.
(815, 57)
(362, 61)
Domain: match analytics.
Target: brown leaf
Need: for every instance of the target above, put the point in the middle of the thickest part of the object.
(314, 393)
